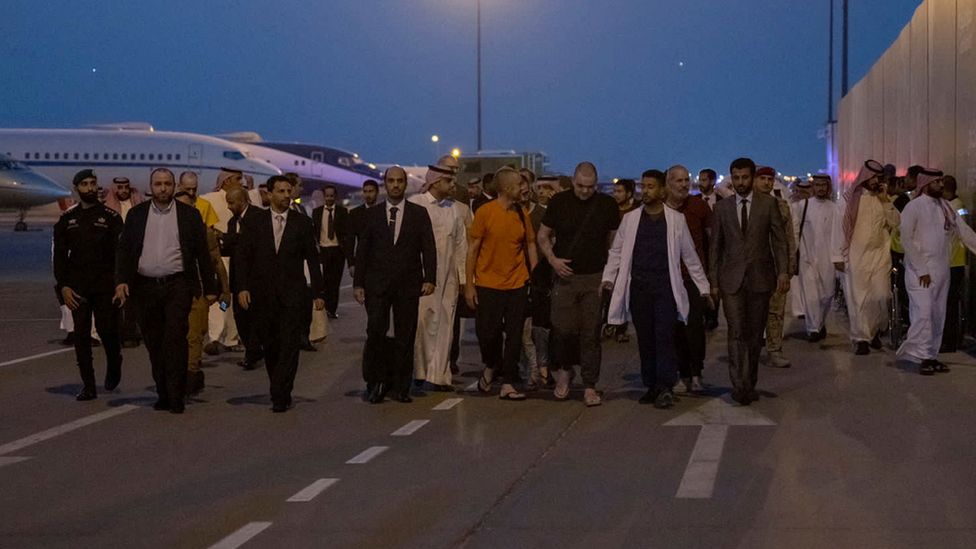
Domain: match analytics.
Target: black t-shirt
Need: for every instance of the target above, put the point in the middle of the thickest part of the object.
(565, 215)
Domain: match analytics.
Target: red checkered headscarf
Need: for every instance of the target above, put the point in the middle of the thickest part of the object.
(870, 170)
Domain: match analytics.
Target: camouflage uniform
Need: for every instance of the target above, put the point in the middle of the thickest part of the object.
(777, 303)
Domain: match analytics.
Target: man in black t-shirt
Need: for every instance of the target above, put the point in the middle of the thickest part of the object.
(583, 224)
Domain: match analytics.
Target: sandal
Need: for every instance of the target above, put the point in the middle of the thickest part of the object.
(512, 395)
(926, 368)
(487, 377)
(940, 367)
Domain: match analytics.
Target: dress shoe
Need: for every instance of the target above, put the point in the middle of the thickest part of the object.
(161, 404)
(876, 343)
(862, 348)
(195, 382)
(211, 349)
(333, 316)
(377, 394)
(403, 398)
(177, 408)
(279, 408)
(754, 396)
(649, 397)
(236, 348)
(88, 393)
(454, 368)
(69, 340)
(444, 388)
(306, 345)
(248, 364)
(742, 399)
(418, 383)
(813, 337)
(112, 379)
(823, 333)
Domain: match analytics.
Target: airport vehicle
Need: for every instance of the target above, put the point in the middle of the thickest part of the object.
(22, 188)
(476, 165)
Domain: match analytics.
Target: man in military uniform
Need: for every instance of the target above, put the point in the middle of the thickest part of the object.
(85, 239)
(765, 182)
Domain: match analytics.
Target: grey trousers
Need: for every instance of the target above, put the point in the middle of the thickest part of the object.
(746, 313)
(576, 323)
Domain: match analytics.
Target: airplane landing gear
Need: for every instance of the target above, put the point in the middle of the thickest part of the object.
(21, 225)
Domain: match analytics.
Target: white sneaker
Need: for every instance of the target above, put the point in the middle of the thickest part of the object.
(681, 387)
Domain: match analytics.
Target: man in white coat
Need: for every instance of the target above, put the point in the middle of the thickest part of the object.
(928, 225)
(432, 349)
(813, 222)
(643, 273)
(862, 250)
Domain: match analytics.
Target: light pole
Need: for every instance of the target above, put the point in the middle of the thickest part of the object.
(479, 75)
(437, 145)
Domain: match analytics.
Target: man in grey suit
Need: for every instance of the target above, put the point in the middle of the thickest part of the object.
(747, 261)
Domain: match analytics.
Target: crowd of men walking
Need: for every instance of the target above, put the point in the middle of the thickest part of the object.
(548, 268)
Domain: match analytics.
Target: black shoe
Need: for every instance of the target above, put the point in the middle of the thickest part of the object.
(823, 332)
(664, 400)
(333, 316)
(130, 343)
(418, 383)
(195, 382)
(69, 340)
(742, 399)
(444, 388)
(306, 345)
(404, 398)
(754, 396)
(248, 364)
(279, 408)
(178, 408)
(88, 393)
(161, 405)
(862, 348)
(876, 343)
(649, 397)
(711, 325)
(112, 379)
(368, 393)
(377, 394)
(95, 343)
(454, 368)
(927, 368)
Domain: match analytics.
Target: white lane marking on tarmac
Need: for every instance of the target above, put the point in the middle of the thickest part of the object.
(30, 320)
(410, 428)
(62, 429)
(448, 404)
(309, 492)
(472, 387)
(32, 357)
(698, 481)
(367, 455)
(12, 460)
(241, 536)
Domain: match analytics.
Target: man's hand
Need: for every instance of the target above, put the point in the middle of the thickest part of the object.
(226, 298)
(925, 281)
(70, 298)
(121, 294)
(427, 289)
(840, 266)
(244, 299)
(359, 295)
(709, 301)
(561, 266)
(607, 285)
(716, 293)
(211, 299)
(352, 271)
(471, 296)
(318, 303)
(783, 284)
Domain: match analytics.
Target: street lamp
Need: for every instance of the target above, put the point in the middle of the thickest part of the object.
(479, 76)
(456, 153)
(436, 140)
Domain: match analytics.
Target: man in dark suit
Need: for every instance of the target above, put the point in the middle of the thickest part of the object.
(396, 264)
(331, 225)
(488, 193)
(163, 256)
(297, 189)
(278, 243)
(747, 262)
(239, 205)
(371, 191)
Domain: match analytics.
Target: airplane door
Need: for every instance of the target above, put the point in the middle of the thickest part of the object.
(194, 156)
(317, 160)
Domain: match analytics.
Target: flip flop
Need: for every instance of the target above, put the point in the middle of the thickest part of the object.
(940, 367)
(513, 396)
(484, 384)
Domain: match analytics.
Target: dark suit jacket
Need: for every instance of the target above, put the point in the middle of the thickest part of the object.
(751, 261)
(277, 278)
(407, 265)
(480, 201)
(356, 220)
(193, 246)
(230, 246)
(341, 225)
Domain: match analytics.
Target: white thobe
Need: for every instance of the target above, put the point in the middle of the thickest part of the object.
(928, 249)
(221, 326)
(816, 288)
(867, 285)
(435, 321)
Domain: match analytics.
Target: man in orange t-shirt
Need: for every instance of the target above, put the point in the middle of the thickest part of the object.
(501, 254)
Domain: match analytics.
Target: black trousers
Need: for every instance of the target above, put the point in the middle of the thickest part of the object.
(306, 317)
(380, 365)
(499, 322)
(653, 311)
(164, 317)
(691, 336)
(107, 326)
(456, 339)
(279, 329)
(129, 322)
(244, 319)
(953, 321)
(745, 313)
(333, 262)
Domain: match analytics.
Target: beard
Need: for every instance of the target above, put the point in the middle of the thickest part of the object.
(89, 198)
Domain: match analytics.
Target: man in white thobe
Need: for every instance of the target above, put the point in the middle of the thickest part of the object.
(928, 225)
(435, 322)
(862, 250)
(813, 221)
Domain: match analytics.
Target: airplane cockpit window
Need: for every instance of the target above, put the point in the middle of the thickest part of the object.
(234, 155)
(345, 161)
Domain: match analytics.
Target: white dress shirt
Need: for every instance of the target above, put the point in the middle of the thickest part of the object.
(278, 223)
(399, 218)
(324, 240)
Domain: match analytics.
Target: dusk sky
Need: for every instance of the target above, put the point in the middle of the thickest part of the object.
(578, 79)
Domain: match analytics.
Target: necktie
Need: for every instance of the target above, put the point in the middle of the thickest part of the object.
(745, 216)
(331, 232)
(279, 229)
(393, 214)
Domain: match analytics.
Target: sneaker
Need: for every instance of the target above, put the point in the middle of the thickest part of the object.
(664, 400)
(681, 387)
(777, 360)
(592, 398)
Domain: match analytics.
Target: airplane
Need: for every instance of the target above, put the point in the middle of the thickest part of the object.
(22, 188)
(129, 150)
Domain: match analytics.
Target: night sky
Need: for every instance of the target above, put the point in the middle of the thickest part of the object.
(596, 80)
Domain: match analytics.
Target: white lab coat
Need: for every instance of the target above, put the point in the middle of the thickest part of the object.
(680, 248)
(817, 273)
(928, 249)
(435, 321)
(867, 285)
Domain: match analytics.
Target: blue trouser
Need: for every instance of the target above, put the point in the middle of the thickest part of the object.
(654, 313)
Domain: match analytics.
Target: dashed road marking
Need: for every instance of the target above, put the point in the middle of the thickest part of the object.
(32, 357)
(241, 536)
(12, 460)
(11, 447)
(410, 428)
(448, 404)
(309, 492)
(367, 455)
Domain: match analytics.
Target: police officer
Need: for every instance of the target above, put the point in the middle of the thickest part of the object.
(85, 239)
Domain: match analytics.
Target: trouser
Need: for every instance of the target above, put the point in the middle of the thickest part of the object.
(898, 263)
(540, 338)
(691, 336)
(129, 322)
(499, 323)
(245, 331)
(333, 262)
(775, 321)
(198, 322)
(306, 317)
(952, 335)
(456, 340)
(529, 363)
(577, 319)
(653, 310)
(107, 325)
(746, 313)
(279, 329)
(379, 364)
(164, 312)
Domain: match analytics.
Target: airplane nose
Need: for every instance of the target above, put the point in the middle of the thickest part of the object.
(42, 186)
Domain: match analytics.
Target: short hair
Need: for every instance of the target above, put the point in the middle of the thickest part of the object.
(162, 170)
(743, 164)
(915, 170)
(181, 194)
(188, 173)
(277, 179)
(371, 183)
(488, 184)
(585, 168)
(528, 174)
(655, 174)
(292, 178)
(565, 182)
(710, 173)
(950, 183)
(328, 186)
(629, 185)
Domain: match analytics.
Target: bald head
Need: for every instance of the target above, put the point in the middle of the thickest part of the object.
(509, 184)
(584, 180)
(237, 200)
(586, 169)
(678, 185)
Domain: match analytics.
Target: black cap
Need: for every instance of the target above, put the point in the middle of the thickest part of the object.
(83, 175)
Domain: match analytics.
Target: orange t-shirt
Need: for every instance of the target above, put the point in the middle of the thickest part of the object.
(504, 238)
